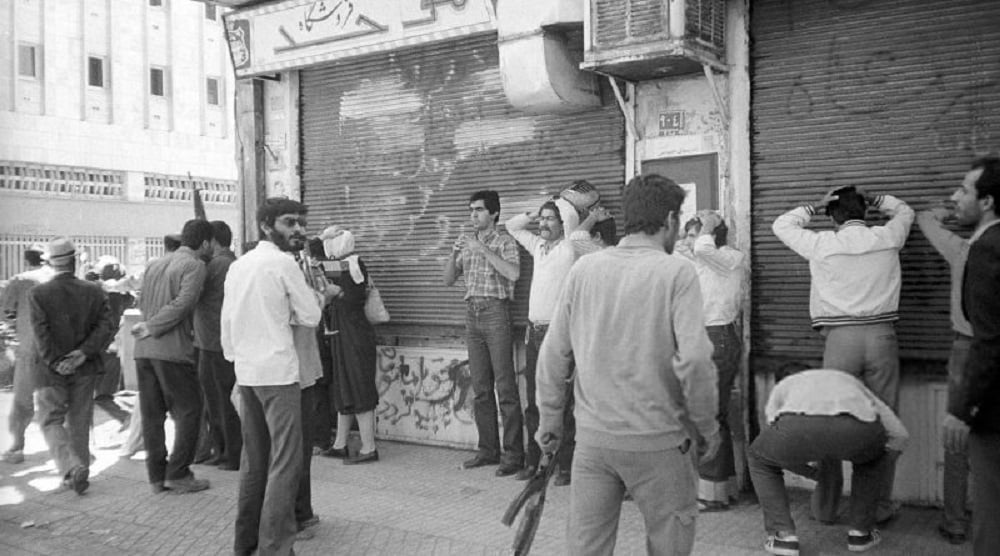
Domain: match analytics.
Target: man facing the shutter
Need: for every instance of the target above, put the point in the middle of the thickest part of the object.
(853, 301)
(491, 265)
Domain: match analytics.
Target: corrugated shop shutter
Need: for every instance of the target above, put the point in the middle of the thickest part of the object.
(896, 96)
(394, 144)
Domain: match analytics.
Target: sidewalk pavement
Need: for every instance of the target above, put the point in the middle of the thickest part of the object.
(416, 500)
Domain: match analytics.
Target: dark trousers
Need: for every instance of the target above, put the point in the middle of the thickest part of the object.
(303, 500)
(871, 353)
(66, 409)
(955, 479)
(270, 469)
(491, 362)
(107, 385)
(984, 458)
(726, 356)
(793, 441)
(23, 408)
(217, 377)
(168, 386)
(536, 334)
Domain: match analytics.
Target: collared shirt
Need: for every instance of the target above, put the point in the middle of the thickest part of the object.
(833, 392)
(552, 261)
(720, 272)
(265, 294)
(481, 279)
(206, 313)
(171, 287)
(982, 230)
(955, 250)
(855, 270)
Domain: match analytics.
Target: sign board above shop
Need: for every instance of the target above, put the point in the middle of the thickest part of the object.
(299, 33)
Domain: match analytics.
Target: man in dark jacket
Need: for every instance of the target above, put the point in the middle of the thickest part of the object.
(72, 324)
(974, 401)
(164, 359)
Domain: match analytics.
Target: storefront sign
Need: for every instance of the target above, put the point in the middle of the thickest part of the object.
(298, 33)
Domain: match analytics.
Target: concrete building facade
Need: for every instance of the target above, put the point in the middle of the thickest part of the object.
(111, 114)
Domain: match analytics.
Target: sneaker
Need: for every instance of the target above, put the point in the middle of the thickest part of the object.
(12, 456)
(185, 485)
(860, 541)
(787, 545)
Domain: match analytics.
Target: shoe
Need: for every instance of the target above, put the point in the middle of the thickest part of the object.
(304, 535)
(227, 466)
(158, 487)
(76, 479)
(339, 453)
(709, 506)
(562, 479)
(186, 485)
(787, 545)
(951, 536)
(478, 461)
(202, 458)
(214, 460)
(307, 523)
(370, 457)
(859, 541)
(12, 456)
(525, 473)
(506, 469)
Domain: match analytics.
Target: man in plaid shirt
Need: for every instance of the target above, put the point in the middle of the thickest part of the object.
(490, 262)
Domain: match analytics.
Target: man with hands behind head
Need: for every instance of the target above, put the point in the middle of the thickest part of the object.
(853, 302)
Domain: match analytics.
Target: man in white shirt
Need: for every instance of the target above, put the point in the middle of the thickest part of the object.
(818, 415)
(554, 255)
(721, 272)
(266, 294)
(854, 302)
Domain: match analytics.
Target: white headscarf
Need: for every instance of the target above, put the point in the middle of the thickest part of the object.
(338, 243)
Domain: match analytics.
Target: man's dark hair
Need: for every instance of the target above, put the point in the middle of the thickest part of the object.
(692, 223)
(607, 231)
(988, 183)
(196, 231)
(721, 234)
(489, 198)
(551, 205)
(171, 243)
(647, 202)
(273, 207)
(222, 233)
(849, 205)
(33, 258)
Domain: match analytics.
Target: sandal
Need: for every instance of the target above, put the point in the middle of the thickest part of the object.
(708, 506)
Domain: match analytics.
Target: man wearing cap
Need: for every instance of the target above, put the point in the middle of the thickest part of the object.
(71, 321)
(15, 306)
(853, 302)
(164, 359)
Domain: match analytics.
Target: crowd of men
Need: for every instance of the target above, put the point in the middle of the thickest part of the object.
(632, 348)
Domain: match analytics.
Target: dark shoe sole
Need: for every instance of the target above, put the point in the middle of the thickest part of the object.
(478, 462)
(371, 457)
(338, 453)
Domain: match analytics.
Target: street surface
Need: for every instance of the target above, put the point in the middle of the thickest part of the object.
(416, 500)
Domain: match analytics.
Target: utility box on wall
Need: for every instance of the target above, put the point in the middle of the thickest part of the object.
(638, 40)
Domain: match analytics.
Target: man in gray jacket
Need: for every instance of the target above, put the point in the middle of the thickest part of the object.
(164, 359)
(631, 315)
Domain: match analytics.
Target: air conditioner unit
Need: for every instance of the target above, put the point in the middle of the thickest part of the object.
(649, 39)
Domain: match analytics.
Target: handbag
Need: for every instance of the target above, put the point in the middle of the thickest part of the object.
(375, 310)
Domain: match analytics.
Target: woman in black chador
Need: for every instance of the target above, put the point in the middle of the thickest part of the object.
(352, 348)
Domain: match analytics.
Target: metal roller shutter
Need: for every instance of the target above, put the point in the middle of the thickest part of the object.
(394, 144)
(896, 96)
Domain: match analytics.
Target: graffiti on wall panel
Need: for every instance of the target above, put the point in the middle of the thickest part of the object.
(425, 395)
